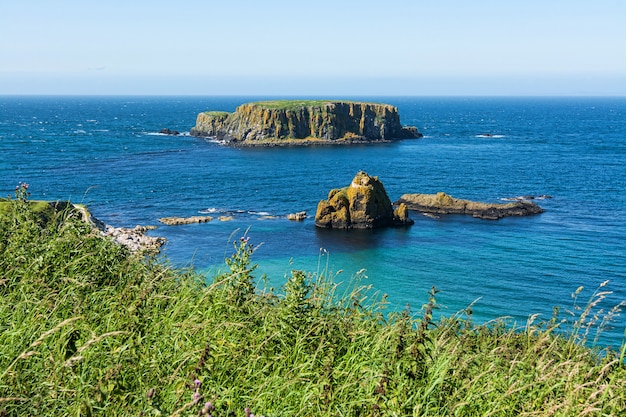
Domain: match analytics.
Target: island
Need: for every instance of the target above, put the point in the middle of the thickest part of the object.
(442, 203)
(304, 122)
(364, 204)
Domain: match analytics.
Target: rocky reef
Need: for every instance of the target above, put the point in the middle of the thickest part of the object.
(293, 122)
(175, 221)
(364, 204)
(442, 203)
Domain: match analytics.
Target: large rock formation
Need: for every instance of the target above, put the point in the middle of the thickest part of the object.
(442, 203)
(292, 122)
(362, 205)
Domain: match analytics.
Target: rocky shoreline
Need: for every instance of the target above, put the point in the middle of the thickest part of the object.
(134, 239)
(442, 203)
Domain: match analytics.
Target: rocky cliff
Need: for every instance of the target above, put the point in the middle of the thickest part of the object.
(304, 122)
(442, 203)
(362, 205)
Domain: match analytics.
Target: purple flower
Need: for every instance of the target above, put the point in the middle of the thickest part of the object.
(247, 412)
(208, 408)
(196, 397)
(197, 383)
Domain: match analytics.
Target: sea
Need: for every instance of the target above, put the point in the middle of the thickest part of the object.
(569, 153)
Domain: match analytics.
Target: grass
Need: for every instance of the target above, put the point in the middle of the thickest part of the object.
(218, 114)
(296, 104)
(88, 328)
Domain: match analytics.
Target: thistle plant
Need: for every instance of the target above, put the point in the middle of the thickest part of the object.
(21, 191)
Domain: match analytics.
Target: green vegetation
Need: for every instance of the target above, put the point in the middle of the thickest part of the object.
(296, 104)
(218, 114)
(87, 328)
(290, 104)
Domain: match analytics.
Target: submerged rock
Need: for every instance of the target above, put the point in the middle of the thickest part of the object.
(362, 205)
(442, 203)
(167, 131)
(292, 122)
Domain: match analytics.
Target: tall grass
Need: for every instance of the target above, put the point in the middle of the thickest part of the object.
(88, 328)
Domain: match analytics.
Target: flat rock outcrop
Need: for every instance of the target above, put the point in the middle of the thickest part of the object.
(442, 203)
(294, 122)
(362, 205)
(174, 221)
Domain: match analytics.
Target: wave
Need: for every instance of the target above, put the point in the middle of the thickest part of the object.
(213, 139)
(217, 210)
(489, 135)
(259, 213)
(527, 197)
(212, 210)
(165, 134)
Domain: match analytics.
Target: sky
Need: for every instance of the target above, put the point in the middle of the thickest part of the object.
(323, 47)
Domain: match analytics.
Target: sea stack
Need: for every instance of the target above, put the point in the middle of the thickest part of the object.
(304, 122)
(364, 204)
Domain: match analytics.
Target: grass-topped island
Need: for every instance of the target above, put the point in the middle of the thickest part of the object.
(304, 122)
(88, 327)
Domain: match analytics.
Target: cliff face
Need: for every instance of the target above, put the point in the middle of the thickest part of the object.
(292, 122)
(362, 205)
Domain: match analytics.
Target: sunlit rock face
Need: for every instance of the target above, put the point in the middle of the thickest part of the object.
(292, 122)
(364, 204)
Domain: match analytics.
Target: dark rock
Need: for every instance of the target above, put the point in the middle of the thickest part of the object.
(362, 205)
(167, 131)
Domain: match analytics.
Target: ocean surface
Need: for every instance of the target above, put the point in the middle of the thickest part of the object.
(106, 152)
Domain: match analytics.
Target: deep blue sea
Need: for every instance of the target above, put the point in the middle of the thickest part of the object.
(106, 152)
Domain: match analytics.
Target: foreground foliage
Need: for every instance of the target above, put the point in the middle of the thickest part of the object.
(88, 328)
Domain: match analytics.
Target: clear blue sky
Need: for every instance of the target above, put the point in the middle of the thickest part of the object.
(323, 47)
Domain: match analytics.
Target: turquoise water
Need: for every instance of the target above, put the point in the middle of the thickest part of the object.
(105, 152)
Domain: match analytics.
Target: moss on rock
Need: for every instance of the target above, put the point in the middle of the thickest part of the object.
(362, 205)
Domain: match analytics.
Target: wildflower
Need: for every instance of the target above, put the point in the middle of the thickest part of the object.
(247, 412)
(197, 383)
(244, 239)
(196, 397)
(208, 408)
